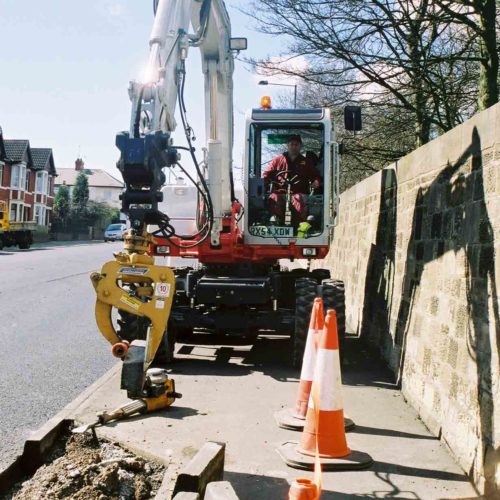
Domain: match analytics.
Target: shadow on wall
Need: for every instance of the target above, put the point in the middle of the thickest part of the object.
(449, 215)
(379, 284)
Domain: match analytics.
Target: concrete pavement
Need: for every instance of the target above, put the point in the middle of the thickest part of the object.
(232, 387)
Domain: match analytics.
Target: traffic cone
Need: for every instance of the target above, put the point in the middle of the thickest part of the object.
(294, 419)
(316, 326)
(303, 489)
(329, 425)
(324, 433)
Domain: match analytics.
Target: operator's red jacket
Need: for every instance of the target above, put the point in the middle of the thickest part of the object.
(305, 170)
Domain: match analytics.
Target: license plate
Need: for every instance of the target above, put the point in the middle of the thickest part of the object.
(271, 231)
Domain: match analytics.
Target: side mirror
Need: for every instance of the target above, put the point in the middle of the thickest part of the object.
(238, 44)
(352, 118)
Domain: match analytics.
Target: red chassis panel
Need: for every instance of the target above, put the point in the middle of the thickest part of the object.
(232, 249)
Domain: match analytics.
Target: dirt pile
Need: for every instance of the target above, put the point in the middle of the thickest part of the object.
(81, 468)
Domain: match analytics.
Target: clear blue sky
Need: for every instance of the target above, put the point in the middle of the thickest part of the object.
(66, 66)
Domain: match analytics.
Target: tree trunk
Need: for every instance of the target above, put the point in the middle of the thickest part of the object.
(488, 80)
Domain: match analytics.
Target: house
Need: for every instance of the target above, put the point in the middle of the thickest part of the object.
(27, 180)
(103, 187)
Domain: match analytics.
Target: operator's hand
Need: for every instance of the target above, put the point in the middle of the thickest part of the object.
(316, 184)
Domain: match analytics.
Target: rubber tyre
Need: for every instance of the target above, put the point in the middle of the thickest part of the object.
(305, 293)
(165, 353)
(334, 298)
(132, 327)
(320, 274)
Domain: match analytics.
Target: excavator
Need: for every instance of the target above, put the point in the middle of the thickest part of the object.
(239, 284)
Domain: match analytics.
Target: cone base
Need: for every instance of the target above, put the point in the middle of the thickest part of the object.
(286, 419)
(355, 460)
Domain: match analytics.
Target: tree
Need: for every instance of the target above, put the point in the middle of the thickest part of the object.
(62, 203)
(479, 17)
(101, 214)
(80, 195)
(407, 55)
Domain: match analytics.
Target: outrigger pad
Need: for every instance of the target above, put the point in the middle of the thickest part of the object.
(133, 369)
(286, 419)
(354, 461)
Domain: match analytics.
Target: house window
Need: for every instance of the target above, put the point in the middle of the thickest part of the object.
(27, 183)
(39, 182)
(14, 182)
(1, 174)
(13, 211)
(18, 179)
(16, 212)
(40, 215)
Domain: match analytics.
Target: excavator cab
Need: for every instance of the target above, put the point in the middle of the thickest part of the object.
(291, 173)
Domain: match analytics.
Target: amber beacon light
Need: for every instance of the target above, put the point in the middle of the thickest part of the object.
(265, 102)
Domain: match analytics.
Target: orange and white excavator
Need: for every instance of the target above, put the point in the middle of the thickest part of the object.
(238, 285)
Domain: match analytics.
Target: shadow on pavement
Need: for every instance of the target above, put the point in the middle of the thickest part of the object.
(235, 356)
(252, 486)
(361, 429)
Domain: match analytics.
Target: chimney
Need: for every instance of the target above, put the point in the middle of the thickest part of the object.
(79, 163)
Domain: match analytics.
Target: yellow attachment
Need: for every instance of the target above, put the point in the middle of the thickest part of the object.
(156, 286)
(4, 216)
(166, 399)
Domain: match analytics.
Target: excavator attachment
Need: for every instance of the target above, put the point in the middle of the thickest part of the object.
(135, 286)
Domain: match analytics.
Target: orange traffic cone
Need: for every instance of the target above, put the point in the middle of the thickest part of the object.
(303, 489)
(294, 418)
(316, 326)
(324, 433)
(326, 430)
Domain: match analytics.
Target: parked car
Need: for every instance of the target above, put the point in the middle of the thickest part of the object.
(114, 232)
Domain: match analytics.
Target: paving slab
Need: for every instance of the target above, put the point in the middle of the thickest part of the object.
(231, 389)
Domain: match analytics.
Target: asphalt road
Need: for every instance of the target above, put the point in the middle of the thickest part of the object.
(51, 348)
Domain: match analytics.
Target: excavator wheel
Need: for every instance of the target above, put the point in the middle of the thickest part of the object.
(334, 298)
(165, 353)
(305, 293)
(132, 327)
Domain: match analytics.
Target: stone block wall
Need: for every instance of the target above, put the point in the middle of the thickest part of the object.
(416, 246)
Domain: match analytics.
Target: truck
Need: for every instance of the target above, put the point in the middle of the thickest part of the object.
(240, 284)
(14, 233)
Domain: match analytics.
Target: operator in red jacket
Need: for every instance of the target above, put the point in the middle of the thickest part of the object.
(295, 168)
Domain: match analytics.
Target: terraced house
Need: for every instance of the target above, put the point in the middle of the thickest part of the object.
(27, 181)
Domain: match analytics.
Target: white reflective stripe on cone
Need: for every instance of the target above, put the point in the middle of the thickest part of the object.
(307, 372)
(327, 375)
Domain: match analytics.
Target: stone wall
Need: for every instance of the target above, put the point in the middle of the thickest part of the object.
(416, 246)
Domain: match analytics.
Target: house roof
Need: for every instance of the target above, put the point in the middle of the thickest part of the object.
(17, 150)
(96, 178)
(43, 159)
(2, 146)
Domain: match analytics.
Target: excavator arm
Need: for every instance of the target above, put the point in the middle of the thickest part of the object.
(133, 284)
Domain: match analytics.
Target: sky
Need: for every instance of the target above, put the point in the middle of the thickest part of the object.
(66, 66)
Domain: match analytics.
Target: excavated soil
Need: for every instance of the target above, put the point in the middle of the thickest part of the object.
(81, 468)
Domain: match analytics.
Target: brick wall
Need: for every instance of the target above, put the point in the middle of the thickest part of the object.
(416, 246)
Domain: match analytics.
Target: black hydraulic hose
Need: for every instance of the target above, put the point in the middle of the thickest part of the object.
(137, 121)
(187, 130)
(172, 232)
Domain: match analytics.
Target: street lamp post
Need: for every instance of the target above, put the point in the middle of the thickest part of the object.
(265, 82)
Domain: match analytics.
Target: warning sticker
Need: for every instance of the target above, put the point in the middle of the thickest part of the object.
(133, 303)
(160, 304)
(162, 290)
(141, 271)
